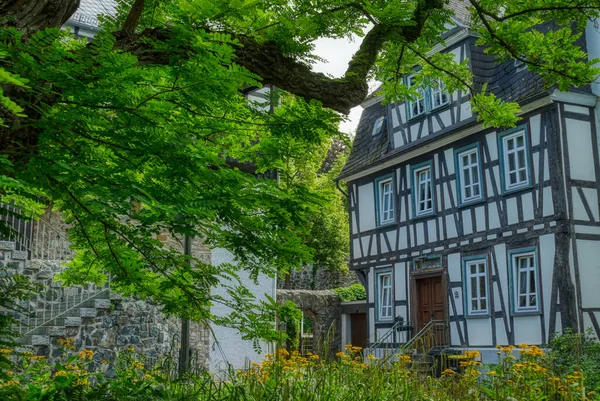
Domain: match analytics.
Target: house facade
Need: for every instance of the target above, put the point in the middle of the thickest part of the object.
(494, 233)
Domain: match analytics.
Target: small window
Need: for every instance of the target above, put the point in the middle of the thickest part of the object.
(422, 190)
(439, 96)
(469, 176)
(378, 126)
(385, 299)
(416, 107)
(476, 287)
(385, 200)
(524, 281)
(515, 165)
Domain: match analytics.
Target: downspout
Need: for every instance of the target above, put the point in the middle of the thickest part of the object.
(337, 185)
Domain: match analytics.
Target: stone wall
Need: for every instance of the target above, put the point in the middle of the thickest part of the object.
(325, 310)
(321, 279)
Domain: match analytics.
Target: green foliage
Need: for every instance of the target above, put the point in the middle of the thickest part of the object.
(14, 289)
(291, 317)
(572, 352)
(355, 292)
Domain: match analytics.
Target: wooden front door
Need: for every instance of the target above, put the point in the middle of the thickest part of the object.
(358, 329)
(430, 300)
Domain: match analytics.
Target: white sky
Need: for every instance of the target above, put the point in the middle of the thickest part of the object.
(337, 53)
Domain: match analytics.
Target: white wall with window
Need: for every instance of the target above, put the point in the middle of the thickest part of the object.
(524, 281)
(385, 296)
(438, 94)
(416, 106)
(384, 187)
(469, 176)
(476, 285)
(514, 160)
(422, 189)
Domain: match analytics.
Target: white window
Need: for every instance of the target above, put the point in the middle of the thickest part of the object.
(525, 282)
(416, 107)
(378, 126)
(470, 181)
(423, 192)
(386, 201)
(516, 171)
(477, 287)
(439, 96)
(385, 299)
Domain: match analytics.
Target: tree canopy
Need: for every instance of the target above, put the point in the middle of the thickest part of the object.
(151, 113)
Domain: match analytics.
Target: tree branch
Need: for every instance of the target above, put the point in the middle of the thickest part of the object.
(133, 18)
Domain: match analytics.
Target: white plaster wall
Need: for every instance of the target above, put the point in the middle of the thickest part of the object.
(400, 282)
(589, 270)
(366, 206)
(580, 150)
(527, 330)
(233, 350)
(547, 248)
(480, 331)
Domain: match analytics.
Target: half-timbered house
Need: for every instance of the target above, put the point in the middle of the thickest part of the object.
(493, 234)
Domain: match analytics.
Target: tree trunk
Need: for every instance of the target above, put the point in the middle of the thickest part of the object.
(32, 15)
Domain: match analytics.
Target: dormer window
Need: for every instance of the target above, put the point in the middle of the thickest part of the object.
(378, 126)
(429, 98)
(439, 96)
(416, 107)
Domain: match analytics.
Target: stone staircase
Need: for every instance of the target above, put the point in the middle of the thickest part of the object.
(56, 312)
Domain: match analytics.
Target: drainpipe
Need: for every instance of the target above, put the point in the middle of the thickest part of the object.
(337, 185)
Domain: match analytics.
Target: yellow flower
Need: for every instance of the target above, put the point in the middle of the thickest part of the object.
(491, 373)
(60, 373)
(340, 354)
(314, 356)
(448, 372)
(104, 362)
(372, 357)
(86, 354)
(5, 351)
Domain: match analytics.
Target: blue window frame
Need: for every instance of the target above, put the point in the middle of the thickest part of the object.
(385, 200)
(469, 174)
(384, 302)
(523, 273)
(514, 152)
(428, 99)
(423, 199)
(476, 288)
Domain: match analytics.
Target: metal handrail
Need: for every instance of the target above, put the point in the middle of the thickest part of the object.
(427, 331)
(398, 326)
(42, 241)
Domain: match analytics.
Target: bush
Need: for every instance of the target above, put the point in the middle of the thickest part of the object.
(572, 352)
(355, 292)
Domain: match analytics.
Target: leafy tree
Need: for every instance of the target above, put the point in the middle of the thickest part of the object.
(151, 113)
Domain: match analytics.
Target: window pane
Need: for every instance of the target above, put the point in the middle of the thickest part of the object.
(467, 178)
(473, 287)
(522, 282)
(532, 288)
(467, 192)
(522, 301)
(520, 140)
(532, 300)
(512, 178)
(474, 305)
(473, 269)
(522, 176)
(511, 162)
(475, 174)
(510, 145)
(482, 289)
(483, 303)
(481, 268)
(521, 155)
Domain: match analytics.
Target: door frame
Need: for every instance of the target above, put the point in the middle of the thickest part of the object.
(414, 304)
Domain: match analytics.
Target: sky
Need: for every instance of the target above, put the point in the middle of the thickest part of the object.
(337, 53)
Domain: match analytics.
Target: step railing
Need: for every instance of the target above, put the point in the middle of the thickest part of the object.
(40, 238)
(57, 302)
(433, 335)
(397, 334)
(44, 242)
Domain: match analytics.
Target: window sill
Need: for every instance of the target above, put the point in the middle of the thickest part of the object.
(517, 189)
(481, 316)
(471, 203)
(526, 313)
(423, 216)
(388, 224)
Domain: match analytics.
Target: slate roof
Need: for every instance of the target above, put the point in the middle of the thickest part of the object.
(507, 80)
(88, 11)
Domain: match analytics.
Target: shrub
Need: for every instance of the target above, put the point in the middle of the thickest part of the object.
(571, 352)
(355, 292)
